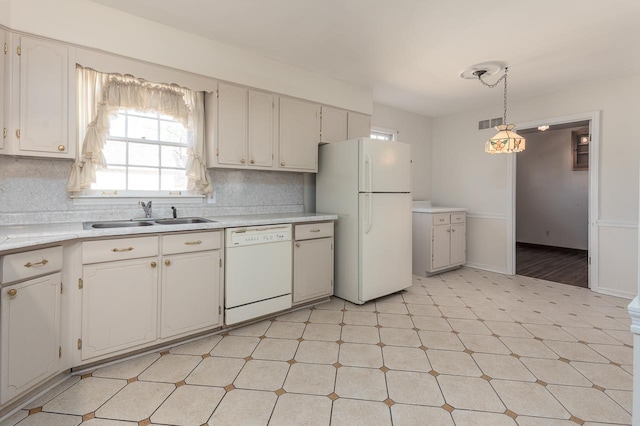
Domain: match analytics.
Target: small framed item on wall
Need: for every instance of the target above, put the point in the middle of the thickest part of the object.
(580, 149)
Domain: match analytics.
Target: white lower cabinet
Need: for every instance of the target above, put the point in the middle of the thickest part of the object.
(312, 262)
(119, 306)
(190, 292)
(439, 241)
(30, 334)
(138, 291)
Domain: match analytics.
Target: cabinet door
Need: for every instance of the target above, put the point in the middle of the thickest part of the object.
(30, 334)
(43, 87)
(359, 126)
(232, 124)
(119, 306)
(260, 129)
(299, 135)
(333, 125)
(4, 78)
(458, 244)
(441, 246)
(312, 269)
(190, 292)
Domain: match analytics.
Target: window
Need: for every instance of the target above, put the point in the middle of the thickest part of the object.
(383, 134)
(144, 151)
(135, 136)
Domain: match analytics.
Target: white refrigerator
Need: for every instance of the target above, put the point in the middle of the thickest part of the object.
(367, 183)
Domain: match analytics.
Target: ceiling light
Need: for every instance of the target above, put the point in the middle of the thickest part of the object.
(543, 128)
(506, 141)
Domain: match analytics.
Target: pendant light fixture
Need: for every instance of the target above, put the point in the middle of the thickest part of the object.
(506, 140)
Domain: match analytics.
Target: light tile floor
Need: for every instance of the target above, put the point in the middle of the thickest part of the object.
(467, 347)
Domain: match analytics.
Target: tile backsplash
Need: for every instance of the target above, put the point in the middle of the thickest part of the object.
(33, 190)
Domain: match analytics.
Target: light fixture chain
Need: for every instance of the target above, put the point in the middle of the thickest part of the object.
(505, 97)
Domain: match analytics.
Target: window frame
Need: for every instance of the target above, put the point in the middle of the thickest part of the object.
(384, 131)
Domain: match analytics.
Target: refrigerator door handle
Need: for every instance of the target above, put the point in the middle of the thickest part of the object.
(367, 163)
(369, 214)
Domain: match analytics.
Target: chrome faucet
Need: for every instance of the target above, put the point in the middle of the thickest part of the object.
(146, 207)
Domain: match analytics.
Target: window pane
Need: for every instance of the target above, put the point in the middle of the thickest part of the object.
(141, 154)
(115, 152)
(143, 128)
(117, 126)
(174, 180)
(173, 156)
(171, 131)
(112, 178)
(144, 179)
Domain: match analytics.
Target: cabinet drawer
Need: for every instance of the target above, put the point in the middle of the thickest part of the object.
(20, 266)
(441, 218)
(313, 230)
(457, 217)
(193, 241)
(119, 249)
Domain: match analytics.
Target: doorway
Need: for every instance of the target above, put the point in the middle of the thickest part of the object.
(552, 204)
(551, 234)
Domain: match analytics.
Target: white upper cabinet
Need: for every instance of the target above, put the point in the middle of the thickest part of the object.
(333, 125)
(261, 124)
(243, 136)
(299, 135)
(43, 99)
(232, 125)
(359, 126)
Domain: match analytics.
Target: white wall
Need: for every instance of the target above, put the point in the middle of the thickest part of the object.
(463, 175)
(552, 201)
(93, 25)
(414, 129)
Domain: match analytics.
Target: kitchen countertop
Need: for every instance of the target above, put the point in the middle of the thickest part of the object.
(437, 209)
(23, 236)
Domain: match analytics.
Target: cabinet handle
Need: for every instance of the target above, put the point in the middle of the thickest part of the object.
(297, 244)
(242, 161)
(116, 250)
(18, 133)
(441, 220)
(192, 243)
(61, 148)
(253, 161)
(449, 230)
(153, 264)
(37, 264)
(314, 230)
(282, 164)
(453, 230)
(167, 262)
(12, 292)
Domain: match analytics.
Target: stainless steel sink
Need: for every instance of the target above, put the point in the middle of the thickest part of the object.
(116, 224)
(181, 220)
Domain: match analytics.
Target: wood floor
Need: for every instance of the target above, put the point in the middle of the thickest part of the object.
(561, 265)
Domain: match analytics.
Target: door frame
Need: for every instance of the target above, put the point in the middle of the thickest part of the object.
(594, 118)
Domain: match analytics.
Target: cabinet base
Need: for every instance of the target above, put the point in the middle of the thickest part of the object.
(439, 271)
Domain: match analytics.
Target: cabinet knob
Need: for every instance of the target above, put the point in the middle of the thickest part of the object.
(297, 244)
(18, 133)
(449, 230)
(253, 161)
(242, 161)
(61, 148)
(167, 262)
(153, 264)
(453, 230)
(12, 292)
(283, 164)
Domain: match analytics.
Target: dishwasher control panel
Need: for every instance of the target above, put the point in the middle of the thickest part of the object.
(257, 235)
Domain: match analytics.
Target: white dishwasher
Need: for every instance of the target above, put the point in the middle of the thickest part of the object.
(258, 272)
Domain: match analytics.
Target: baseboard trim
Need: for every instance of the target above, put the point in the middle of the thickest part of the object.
(616, 293)
(487, 268)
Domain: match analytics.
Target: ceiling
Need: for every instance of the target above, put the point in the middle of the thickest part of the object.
(411, 52)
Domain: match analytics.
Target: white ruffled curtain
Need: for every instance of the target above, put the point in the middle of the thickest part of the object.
(101, 95)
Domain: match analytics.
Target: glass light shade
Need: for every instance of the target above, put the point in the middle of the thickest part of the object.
(506, 141)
